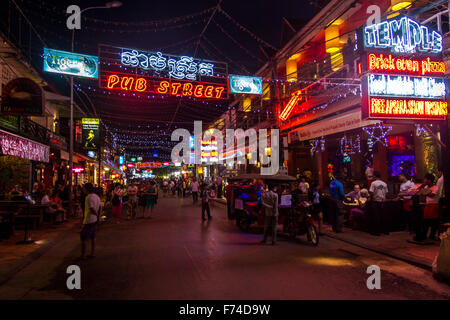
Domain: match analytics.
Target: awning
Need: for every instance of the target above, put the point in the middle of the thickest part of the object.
(343, 122)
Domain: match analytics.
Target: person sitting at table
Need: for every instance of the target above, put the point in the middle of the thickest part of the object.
(56, 203)
(357, 213)
(356, 193)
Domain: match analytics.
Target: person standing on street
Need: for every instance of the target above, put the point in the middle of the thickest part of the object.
(378, 222)
(205, 193)
(151, 195)
(132, 192)
(219, 187)
(117, 202)
(337, 196)
(194, 190)
(90, 220)
(270, 203)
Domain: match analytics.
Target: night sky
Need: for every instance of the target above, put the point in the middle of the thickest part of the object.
(133, 26)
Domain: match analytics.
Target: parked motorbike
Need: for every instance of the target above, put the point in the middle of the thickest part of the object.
(300, 222)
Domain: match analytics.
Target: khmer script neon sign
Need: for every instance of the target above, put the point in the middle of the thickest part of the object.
(402, 35)
(177, 67)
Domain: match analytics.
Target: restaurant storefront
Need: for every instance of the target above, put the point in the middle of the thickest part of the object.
(22, 162)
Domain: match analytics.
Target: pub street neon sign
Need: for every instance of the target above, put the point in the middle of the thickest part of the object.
(183, 67)
(402, 35)
(175, 88)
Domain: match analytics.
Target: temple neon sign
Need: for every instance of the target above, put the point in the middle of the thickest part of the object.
(402, 35)
(146, 84)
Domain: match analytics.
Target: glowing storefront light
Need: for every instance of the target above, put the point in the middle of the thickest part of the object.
(402, 35)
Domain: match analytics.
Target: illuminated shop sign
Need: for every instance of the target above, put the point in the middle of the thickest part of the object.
(244, 84)
(90, 133)
(152, 165)
(209, 151)
(13, 145)
(120, 160)
(405, 108)
(405, 86)
(140, 72)
(70, 63)
(150, 85)
(402, 35)
(392, 64)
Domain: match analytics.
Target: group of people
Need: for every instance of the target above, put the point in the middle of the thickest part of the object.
(420, 203)
(132, 198)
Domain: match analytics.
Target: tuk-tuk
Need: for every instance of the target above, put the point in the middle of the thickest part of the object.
(247, 209)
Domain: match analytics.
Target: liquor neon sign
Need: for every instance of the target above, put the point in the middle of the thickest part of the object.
(402, 35)
(290, 105)
(146, 84)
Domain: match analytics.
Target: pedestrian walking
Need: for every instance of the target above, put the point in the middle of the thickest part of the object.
(151, 195)
(219, 186)
(205, 194)
(336, 211)
(270, 203)
(184, 186)
(90, 220)
(194, 190)
(117, 202)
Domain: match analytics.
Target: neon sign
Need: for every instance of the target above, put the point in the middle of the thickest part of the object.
(142, 72)
(388, 63)
(406, 86)
(290, 105)
(244, 84)
(146, 84)
(182, 67)
(387, 108)
(152, 165)
(23, 148)
(402, 35)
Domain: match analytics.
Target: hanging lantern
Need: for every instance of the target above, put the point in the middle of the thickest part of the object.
(291, 68)
(397, 5)
(332, 39)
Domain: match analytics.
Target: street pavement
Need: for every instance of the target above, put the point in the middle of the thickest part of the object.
(174, 255)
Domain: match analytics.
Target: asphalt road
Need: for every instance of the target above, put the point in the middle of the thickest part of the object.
(174, 255)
